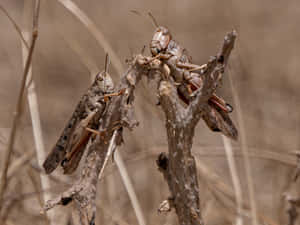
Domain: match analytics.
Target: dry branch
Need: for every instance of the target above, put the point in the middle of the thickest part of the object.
(179, 167)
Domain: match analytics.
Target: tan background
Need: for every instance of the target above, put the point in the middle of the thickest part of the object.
(264, 69)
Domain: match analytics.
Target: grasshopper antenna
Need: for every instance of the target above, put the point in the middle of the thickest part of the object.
(136, 12)
(107, 62)
(153, 19)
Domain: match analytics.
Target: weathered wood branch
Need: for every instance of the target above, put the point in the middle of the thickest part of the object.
(213, 74)
(178, 166)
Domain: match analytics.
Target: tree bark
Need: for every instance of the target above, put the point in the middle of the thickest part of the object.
(178, 166)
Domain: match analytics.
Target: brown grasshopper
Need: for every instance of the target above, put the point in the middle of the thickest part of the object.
(70, 146)
(188, 79)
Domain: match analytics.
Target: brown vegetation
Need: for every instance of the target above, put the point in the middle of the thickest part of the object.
(261, 83)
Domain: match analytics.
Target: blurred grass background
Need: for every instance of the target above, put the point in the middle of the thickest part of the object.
(263, 66)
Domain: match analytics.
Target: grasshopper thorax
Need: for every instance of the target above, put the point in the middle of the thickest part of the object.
(160, 40)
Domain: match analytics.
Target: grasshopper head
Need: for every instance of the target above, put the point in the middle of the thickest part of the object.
(104, 81)
(160, 40)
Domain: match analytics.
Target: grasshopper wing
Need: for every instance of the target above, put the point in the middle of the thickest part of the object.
(75, 137)
(78, 142)
(58, 152)
(219, 121)
(71, 161)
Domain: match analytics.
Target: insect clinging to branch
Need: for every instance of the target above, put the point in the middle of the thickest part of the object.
(82, 125)
(188, 78)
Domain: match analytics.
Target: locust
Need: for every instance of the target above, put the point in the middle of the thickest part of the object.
(82, 125)
(188, 78)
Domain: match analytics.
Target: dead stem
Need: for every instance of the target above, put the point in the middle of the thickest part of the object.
(15, 26)
(17, 112)
(245, 151)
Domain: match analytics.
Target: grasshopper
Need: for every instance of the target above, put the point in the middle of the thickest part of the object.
(188, 78)
(82, 125)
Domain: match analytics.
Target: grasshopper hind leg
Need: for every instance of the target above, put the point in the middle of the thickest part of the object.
(219, 121)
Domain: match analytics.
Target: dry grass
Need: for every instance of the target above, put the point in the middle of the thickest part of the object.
(264, 72)
(17, 112)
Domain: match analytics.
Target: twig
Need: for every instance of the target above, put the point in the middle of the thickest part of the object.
(9, 205)
(35, 115)
(245, 151)
(111, 148)
(15, 26)
(17, 112)
(235, 179)
(129, 187)
(36, 188)
(213, 71)
(19, 163)
(38, 169)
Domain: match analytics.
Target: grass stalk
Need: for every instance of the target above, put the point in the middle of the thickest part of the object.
(32, 99)
(245, 150)
(17, 28)
(129, 187)
(235, 179)
(18, 110)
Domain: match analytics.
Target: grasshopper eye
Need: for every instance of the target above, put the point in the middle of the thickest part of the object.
(155, 51)
(99, 77)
